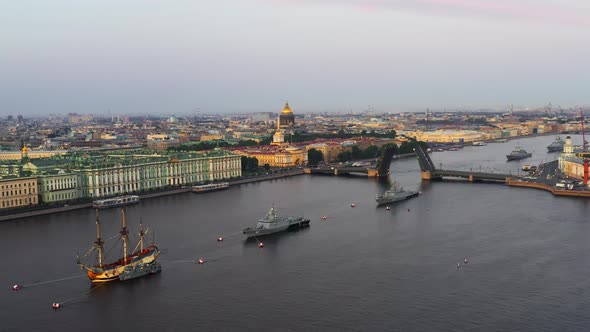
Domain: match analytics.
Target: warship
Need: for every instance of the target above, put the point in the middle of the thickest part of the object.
(518, 153)
(140, 262)
(556, 146)
(271, 223)
(395, 194)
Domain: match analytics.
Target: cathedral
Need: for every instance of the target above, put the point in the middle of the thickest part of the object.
(284, 126)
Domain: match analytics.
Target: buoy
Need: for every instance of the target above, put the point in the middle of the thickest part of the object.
(458, 265)
(219, 239)
(201, 261)
(16, 288)
(465, 261)
(352, 205)
(260, 245)
(408, 210)
(324, 217)
(387, 208)
(55, 305)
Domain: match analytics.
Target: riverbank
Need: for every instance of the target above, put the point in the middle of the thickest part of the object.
(50, 210)
(557, 192)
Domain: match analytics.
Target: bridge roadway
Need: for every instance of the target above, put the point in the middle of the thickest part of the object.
(471, 176)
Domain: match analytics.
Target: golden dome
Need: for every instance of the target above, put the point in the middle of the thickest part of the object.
(287, 109)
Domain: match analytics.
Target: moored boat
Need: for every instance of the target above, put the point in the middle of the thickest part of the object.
(130, 265)
(210, 187)
(115, 202)
(479, 143)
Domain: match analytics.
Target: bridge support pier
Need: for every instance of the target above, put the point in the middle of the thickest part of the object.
(470, 178)
(426, 176)
(372, 172)
(335, 171)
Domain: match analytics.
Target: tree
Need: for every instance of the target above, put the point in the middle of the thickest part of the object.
(314, 157)
(344, 156)
(266, 167)
(357, 153)
(372, 151)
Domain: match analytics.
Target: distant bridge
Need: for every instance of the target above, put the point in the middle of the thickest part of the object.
(381, 169)
(429, 171)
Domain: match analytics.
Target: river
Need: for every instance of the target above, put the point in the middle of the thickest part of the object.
(362, 269)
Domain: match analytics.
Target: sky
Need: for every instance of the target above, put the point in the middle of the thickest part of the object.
(207, 56)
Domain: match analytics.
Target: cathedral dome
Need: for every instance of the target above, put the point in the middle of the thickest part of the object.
(286, 110)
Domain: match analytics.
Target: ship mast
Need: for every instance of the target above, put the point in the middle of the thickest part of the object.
(141, 234)
(124, 233)
(98, 241)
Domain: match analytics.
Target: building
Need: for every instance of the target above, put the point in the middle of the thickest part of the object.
(284, 126)
(31, 154)
(448, 136)
(274, 156)
(161, 142)
(127, 173)
(58, 187)
(18, 192)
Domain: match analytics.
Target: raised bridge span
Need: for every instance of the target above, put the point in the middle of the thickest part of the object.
(430, 172)
(381, 168)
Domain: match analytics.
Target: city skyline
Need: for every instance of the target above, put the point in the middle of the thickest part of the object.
(245, 56)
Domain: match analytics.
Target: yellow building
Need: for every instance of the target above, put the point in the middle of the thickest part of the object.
(275, 156)
(18, 192)
(329, 150)
(32, 154)
(447, 136)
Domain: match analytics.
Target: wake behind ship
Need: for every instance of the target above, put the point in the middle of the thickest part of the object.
(139, 263)
(272, 223)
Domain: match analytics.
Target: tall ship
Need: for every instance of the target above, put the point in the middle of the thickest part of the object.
(556, 146)
(518, 153)
(395, 194)
(271, 223)
(210, 187)
(141, 261)
(115, 202)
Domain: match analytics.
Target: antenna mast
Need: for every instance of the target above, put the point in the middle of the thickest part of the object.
(583, 133)
(124, 233)
(98, 241)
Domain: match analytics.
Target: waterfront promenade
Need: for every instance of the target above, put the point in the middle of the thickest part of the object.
(49, 210)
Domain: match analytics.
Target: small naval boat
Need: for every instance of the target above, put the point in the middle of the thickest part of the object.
(518, 153)
(556, 146)
(395, 194)
(271, 223)
(140, 262)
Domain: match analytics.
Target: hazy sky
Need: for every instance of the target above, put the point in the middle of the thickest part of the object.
(176, 56)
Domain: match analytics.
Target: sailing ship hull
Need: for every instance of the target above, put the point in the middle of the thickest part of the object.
(111, 272)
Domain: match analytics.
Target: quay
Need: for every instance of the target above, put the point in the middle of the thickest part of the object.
(429, 172)
(50, 210)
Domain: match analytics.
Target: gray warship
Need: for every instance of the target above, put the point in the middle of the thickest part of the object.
(395, 194)
(556, 145)
(518, 153)
(271, 223)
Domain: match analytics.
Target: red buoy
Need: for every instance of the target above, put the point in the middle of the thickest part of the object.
(201, 261)
(465, 261)
(324, 217)
(387, 208)
(16, 288)
(55, 305)
(260, 245)
(219, 239)
(352, 205)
